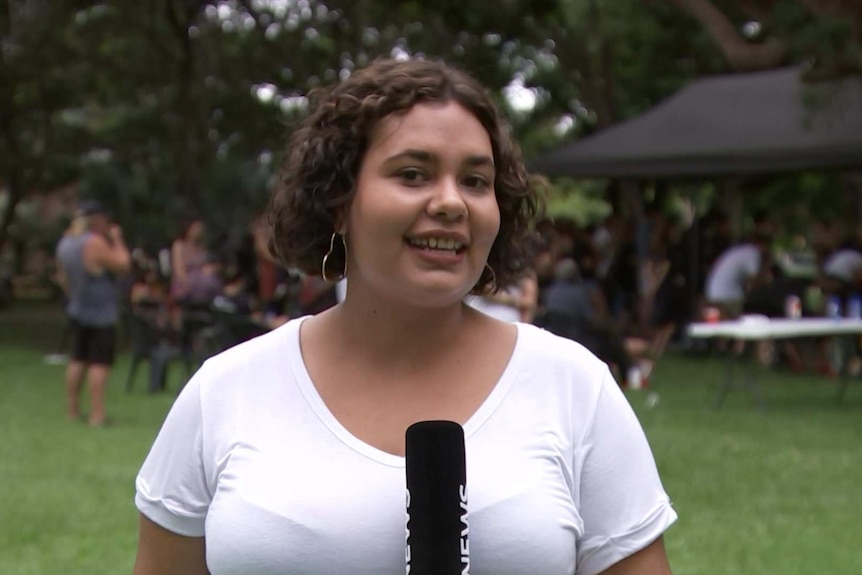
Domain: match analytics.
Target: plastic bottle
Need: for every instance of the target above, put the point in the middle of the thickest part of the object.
(854, 307)
(833, 307)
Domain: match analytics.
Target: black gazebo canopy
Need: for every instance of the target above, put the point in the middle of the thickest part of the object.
(751, 123)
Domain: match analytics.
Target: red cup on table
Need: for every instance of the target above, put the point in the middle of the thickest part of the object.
(793, 307)
(712, 315)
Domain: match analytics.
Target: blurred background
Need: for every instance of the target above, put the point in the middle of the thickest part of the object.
(670, 132)
(164, 108)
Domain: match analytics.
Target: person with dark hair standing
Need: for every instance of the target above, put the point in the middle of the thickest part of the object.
(77, 226)
(188, 256)
(285, 454)
(88, 267)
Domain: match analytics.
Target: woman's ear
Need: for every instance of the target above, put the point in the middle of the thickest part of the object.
(341, 221)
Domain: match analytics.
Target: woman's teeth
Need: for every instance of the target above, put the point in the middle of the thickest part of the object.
(436, 243)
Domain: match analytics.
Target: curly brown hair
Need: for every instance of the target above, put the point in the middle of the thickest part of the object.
(318, 177)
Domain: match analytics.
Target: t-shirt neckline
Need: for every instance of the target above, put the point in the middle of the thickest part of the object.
(315, 401)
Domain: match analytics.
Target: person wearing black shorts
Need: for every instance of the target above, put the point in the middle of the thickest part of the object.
(93, 345)
(89, 265)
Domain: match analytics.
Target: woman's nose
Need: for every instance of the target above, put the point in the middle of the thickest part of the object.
(447, 201)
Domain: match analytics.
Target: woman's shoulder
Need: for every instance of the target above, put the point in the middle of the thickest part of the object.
(255, 362)
(559, 371)
(551, 352)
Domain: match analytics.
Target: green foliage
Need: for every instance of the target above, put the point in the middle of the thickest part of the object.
(795, 201)
(135, 198)
(40, 71)
(235, 191)
(829, 40)
(602, 62)
(243, 187)
(184, 97)
(582, 201)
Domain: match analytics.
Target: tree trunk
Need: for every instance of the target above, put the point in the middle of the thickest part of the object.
(599, 84)
(181, 16)
(852, 187)
(632, 195)
(16, 194)
(187, 173)
(731, 201)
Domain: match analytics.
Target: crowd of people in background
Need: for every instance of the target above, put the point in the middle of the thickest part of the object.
(624, 288)
(193, 273)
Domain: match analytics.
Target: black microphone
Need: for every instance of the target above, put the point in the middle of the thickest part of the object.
(437, 525)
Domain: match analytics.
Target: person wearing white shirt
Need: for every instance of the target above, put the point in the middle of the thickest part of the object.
(513, 304)
(844, 265)
(286, 454)
(734, 272)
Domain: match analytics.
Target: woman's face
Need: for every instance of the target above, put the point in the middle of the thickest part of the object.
(425, 214)
(196, 231)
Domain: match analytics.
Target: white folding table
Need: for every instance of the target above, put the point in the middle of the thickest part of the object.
(758, 328)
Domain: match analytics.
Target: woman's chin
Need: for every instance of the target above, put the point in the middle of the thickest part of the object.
(436, 295)
(421, 291)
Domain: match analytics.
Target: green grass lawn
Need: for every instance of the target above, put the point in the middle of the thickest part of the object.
(775, 492)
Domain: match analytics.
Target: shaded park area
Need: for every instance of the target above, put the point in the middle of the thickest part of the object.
(702, 163)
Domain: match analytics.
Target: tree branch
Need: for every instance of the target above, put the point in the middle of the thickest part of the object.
(849, 10)
(829, 7)
(740, 54)
(759, 10)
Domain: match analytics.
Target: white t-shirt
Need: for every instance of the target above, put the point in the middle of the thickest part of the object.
(500, 311)
(729, 274)
(560, 476)
(843, 264)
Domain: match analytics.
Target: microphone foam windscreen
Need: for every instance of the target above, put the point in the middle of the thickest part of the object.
(437, 525)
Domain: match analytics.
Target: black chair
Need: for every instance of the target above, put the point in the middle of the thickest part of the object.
(603, 343)
(196, 333)
(233, 328)
(151, 344)
(563, 324)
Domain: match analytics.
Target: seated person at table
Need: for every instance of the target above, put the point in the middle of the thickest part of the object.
(236, 298)
(575, 308)
(841, 273)
(513, 304)
(841, 276)
(770, 299)
(148, 294)
(736, 271)
(147, 288)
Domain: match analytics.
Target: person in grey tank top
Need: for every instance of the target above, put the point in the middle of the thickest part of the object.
(89, 266)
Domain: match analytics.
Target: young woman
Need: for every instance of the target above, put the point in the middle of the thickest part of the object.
(284, 455)
(188, 256)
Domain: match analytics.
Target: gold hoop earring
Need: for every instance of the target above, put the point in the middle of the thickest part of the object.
(329, 253)
(492, 287)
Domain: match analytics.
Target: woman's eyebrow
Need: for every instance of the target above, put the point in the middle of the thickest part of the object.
(479, 161)
(427, 157)
(412, 154)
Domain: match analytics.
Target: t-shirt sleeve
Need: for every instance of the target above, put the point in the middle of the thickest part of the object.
(622, 502)
(752, 263)
(171, 487)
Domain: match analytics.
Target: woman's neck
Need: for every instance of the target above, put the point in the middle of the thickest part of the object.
(395, 332)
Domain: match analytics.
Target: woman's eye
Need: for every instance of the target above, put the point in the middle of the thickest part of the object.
(476, 182)
(412, 175)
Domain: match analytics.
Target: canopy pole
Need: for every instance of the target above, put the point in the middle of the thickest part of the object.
(731, 202)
